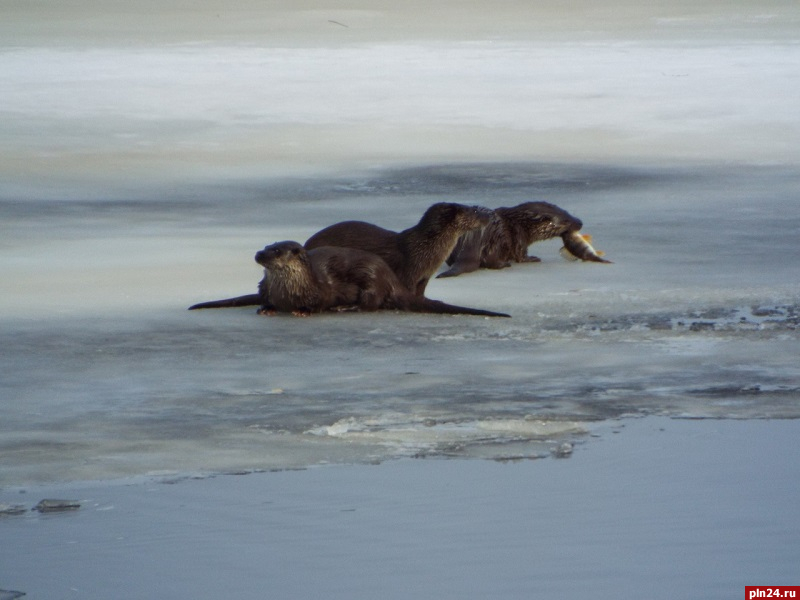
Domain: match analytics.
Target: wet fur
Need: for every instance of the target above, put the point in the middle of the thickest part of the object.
(414, 254)
(303, 282)
(505, 239)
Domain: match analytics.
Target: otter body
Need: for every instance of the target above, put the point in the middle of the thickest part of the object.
(303, 282)
(414, 254)
(505, 239)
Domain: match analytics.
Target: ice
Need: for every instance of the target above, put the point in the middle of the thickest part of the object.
(142, 167)
(111, 376)
(435, 436)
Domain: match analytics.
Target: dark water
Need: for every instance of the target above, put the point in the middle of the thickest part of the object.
(652, 507)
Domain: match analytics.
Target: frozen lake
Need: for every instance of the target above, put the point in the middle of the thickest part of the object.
(140, 175)
(106, 374)
(110, 375)
(146, 155)
(142, 167)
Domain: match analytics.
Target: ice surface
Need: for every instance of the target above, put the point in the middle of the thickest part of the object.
(141, 168)
(105, 373)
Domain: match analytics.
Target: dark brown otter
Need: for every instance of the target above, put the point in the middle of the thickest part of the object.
(505, 239)
(415, 253)
(303, 282)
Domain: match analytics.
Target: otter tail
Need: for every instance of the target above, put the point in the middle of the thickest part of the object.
(426, 305)
(248, 300)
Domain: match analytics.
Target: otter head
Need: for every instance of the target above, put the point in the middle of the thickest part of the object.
(458, 217)
(281, 255)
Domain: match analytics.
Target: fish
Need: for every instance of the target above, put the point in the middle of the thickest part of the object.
(578, 246)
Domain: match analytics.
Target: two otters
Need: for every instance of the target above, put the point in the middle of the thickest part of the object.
(355, 265)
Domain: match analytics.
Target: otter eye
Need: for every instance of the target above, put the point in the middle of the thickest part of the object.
(295, 251)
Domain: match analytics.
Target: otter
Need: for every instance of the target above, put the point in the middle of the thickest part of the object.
(505, 239)
(414, 253)
(303, 282)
